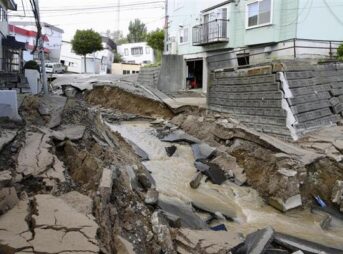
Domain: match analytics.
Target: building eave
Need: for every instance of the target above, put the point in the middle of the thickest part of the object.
(217, 6)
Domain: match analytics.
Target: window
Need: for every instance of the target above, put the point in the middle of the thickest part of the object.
(126, 52)
(147, 50)
(3, 14)
(184, 35)
(126, 72)
(137, 51)
(259, 13)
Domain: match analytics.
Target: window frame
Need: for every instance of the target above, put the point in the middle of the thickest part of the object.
(182, 32)
(140, 48)
(126, 52)
(247, 27)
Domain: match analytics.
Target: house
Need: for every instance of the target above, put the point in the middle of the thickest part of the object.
(28, 37)
(26, 30)
(99, 62)
(125, 68)
(206, 35)
(10, 49)
(137, 53)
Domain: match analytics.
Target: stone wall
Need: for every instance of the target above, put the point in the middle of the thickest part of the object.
(149, 76)
(286, 99)
(172, 76)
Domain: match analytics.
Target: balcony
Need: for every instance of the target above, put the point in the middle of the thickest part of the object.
(211, 32)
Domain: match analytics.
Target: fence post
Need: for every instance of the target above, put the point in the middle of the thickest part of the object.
(330, 51)
(294, 48)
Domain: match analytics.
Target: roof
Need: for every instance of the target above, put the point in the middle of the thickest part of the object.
(217, 6)
(28, 33)
(30, 23)
(109, 42)
(10, 5)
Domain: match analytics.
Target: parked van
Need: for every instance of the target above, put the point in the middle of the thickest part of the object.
(54, 68)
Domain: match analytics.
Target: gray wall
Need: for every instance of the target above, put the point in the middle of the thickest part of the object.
(172, 73)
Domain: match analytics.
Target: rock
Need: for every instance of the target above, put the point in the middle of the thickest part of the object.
(296, 244)
(151, 197)
(286, 205)
(337, 193)
(157, 121)
(298, 252)
(146, 180)
(6, 136)
(336, 216)
(53, 106)
(287, 172)
(171, 150)
(180, 136)
(229, 164)
(185, 212)
(139, 151)
(5, 178)
(196, 180)
(123, 246)
(106, 182)
(8, 199)
(326, 222)
(212, 171)
(203, 151)
(219, 216)
(209, 242)
(161, 230)
(71, 132)
(70, 91)
(130, 177)
(257, 242)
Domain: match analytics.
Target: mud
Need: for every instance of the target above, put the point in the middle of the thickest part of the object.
(116, 98)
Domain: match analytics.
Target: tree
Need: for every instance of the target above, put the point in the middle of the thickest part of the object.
(137, 31)
(86, 42)
(155, 39)
(340, 52)
(117, 58)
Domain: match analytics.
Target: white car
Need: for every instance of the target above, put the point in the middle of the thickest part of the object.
(54, 68)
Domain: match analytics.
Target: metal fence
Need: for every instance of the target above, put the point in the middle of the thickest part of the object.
(321, 48)
(210, 32)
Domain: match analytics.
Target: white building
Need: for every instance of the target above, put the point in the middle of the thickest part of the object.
(53, 41)
(29, 38)
(137, 53)
(99, 62)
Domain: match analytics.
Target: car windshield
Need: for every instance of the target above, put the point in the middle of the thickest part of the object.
(48, 65)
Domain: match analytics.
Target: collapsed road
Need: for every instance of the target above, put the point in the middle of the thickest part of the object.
(113, 170)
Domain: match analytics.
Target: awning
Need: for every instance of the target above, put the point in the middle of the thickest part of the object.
(11, 43)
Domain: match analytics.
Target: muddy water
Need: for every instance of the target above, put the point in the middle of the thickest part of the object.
(172, 176)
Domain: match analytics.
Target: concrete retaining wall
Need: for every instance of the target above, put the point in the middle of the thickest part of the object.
(285, 99)
(9, 104)
(149, 76)
(172, 76)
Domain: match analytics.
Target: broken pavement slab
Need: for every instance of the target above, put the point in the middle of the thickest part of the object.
(286, 205)
(57, 228)
(8, 199)
(257, 242)
(52, 105)
(208, 242)
(185, 212)
(212, 171)
(180, 136)
(296, 244)
(203, 151)
(71, 132)
(170, 150)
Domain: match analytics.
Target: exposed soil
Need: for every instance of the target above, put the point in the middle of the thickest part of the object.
(116, 98)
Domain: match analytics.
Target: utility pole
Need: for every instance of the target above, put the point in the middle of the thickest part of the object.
(41, 54)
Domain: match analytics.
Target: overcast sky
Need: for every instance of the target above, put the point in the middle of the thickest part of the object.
(70, 15)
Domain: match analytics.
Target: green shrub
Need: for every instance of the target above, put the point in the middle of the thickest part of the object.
(31, 65)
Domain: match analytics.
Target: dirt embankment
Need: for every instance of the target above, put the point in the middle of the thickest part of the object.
(118, 99)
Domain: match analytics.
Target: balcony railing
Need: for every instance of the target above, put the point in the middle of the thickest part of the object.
(211, 32)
